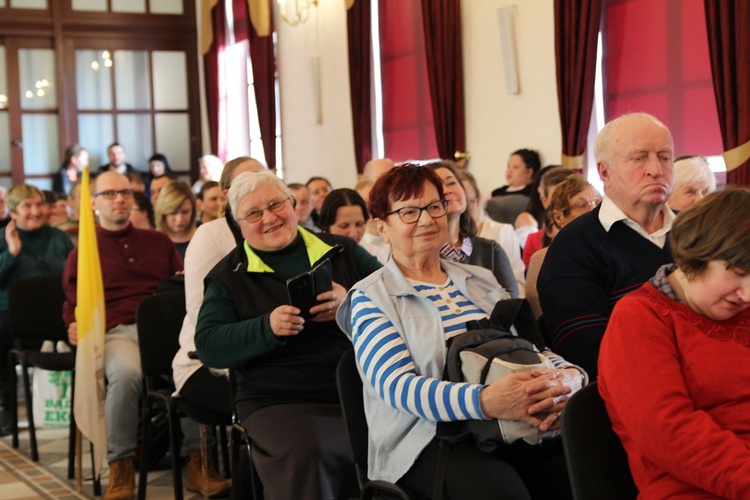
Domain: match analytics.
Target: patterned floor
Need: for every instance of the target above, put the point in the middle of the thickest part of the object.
(21, 478)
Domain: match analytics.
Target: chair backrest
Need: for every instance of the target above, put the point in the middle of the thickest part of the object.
(506, 208)
(352, 406)
(159, 321)
(35, 309)
(597, 462)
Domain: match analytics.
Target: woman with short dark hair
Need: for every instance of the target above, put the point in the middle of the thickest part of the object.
(400, 320)
(344, 212)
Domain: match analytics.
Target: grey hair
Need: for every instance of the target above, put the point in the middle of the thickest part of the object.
(603, 142)
(249, 182)
(691, 170)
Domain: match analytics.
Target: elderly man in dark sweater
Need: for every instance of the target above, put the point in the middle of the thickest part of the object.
(134, 262)
(613, 250)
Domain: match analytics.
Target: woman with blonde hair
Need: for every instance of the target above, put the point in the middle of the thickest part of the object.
(175, 214)
(571, 198)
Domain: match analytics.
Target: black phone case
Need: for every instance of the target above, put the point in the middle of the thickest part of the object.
(322, 277)
(304, 288)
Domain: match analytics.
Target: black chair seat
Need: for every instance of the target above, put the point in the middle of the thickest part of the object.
(201, 414)
(53, 361)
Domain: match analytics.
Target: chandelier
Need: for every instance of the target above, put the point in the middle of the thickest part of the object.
(294, 12)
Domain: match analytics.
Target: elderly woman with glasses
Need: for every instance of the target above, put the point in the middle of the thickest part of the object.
(400, 319)
(286, 396)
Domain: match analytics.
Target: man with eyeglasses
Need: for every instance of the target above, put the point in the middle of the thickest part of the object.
(134, 262)
(604, 254)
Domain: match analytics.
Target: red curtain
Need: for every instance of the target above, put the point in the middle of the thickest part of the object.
(729, 43)
(408, 128)
(441, 21)
(241, 21)
(264, 77)
(656, 59)
(213, 63)
(576, 34)
(358, 22)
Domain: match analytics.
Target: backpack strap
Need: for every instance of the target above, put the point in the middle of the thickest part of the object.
(446, 441)
(518, 313)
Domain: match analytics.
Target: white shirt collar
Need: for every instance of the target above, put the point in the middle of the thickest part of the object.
(609, 213)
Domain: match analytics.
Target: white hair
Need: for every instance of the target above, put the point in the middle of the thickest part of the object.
(603, 143)
(691, 170)
(249, 182)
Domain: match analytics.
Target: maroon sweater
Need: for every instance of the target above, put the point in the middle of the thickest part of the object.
(134, 262)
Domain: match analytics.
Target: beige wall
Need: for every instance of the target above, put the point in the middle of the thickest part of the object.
(309, 147)
(497, 123)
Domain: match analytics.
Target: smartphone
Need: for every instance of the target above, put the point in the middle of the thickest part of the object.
(302, 293)
(304, 288)
(322, 277)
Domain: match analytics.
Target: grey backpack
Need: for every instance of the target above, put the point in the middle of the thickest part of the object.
(487, 352)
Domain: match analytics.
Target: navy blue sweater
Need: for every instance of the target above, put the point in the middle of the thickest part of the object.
(586, 271)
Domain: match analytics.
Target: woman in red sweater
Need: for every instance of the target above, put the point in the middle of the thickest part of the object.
(674, 364)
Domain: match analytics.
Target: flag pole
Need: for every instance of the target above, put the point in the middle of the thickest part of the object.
(79, 461)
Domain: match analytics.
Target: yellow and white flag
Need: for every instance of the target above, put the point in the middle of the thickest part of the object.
(90, 317)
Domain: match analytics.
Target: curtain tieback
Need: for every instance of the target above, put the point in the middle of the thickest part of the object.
(572, 162)
(736, 156)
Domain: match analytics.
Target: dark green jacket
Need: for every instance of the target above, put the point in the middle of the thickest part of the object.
(233, 328)
(43, 251)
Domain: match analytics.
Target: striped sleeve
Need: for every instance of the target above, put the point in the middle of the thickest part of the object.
(389, 369)
(558, 361)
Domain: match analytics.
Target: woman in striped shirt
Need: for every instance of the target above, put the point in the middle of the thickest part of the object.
(399, 319)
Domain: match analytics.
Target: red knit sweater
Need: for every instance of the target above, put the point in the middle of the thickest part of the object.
(677, 388)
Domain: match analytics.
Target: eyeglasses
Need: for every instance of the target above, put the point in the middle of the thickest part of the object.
(111, 194)
(274, 207)
(410, 215)
(583, 204)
